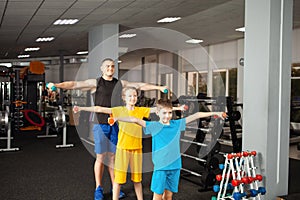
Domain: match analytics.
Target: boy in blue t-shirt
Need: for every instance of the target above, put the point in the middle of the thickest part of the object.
(166, 155)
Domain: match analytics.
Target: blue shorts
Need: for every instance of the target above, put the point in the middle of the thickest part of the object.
(105, 138)
(165, 180)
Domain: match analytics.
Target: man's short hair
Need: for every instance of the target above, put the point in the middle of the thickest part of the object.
(107, 59)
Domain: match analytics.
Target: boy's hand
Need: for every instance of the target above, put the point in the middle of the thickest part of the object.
(111, 120)
(224, 115)
(221, 115)
(184, 107)
(76, 109)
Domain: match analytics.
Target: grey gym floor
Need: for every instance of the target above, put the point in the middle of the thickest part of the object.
(39, 171)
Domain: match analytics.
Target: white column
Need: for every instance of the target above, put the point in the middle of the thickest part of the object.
(210, 67)
(103, 43)
(240, 70)
(267, 89)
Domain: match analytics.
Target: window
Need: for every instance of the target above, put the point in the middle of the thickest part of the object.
(295, 94)
(219, 83)
(202, 83)
(233, 83)
(197, 83)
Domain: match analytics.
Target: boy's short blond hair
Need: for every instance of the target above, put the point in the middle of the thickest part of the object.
(125, 89)
(164, 103)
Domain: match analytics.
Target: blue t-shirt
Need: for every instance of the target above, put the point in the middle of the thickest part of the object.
(166, 143)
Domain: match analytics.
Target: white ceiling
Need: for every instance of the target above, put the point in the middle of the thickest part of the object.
(23, 21)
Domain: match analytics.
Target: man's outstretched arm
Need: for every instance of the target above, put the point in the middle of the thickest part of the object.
(89, 84)
(97, 109)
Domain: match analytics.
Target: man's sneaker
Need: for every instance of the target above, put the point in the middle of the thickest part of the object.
(98, 195)
(121, 195)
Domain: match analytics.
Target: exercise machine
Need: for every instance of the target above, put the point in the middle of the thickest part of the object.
(60, 120)
(26, 98)
(5, 127)
(205, 148)
(5, 120)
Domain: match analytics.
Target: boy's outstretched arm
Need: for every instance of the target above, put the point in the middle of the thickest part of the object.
(131, 120)
(178, 108)
(97, 109)
(198, 115)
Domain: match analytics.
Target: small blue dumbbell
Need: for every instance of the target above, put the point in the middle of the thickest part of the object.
(51, 87)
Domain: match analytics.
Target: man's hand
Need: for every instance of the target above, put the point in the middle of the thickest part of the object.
(164, 89)
(51, 87)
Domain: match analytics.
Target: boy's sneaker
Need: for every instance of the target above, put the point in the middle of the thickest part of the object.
(98, 195)
(121, 195)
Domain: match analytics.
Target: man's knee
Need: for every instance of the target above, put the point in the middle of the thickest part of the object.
(100, 158)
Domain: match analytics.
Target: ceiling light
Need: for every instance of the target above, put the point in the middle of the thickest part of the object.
(82, 52)
(65, 21)
(83, 59)
(23, 56)
(119, 61)
(242, 29)
(127, 35)
(23, 63)
(194, 41)
(123, 50)
(6, 64)
(45, 39)
(32, 49)
(168, 19)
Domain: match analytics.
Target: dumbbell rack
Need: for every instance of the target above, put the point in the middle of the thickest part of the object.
(239, 180)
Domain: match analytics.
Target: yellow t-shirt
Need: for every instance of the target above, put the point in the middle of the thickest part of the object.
(130, 134)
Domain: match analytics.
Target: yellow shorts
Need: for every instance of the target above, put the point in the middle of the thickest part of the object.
(125, 157)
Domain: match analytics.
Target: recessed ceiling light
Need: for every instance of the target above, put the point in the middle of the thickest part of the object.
(194, 41)
(23, 56)
(6, 64)
(65, 21)
(45, 39)
(168, 19)
(242, 29)
(127, 35)
(82, 52)
(32, 49)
